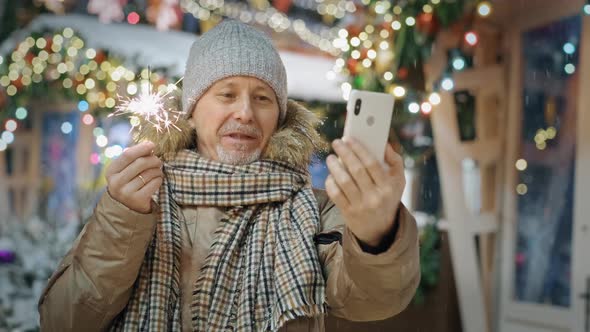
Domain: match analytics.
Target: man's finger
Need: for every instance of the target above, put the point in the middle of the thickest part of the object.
(373, 167)
(336, 194)
(138, 166)
(137, 183)
(352, 162)
(343, 179)
(394, 160)
(130, 155)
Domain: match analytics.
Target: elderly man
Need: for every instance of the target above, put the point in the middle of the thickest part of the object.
(221, 230)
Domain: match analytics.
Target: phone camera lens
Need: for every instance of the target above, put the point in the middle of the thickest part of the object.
(357, 107)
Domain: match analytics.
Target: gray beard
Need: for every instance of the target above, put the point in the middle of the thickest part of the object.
(237, 157)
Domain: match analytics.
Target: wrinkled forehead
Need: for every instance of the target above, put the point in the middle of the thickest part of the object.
(243, 82)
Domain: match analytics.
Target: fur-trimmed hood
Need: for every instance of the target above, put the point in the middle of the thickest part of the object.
(295, 141)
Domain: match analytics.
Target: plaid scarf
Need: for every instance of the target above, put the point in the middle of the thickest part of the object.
(262, 269)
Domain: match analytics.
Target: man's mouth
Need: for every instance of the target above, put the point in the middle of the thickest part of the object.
(240, 136)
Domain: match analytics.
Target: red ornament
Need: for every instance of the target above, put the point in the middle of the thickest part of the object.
(29, 57)
(364, 53)
(402, 73)
(3, 98)
(427, 24)
(282, 5)
(48, 44)
(18, 83)
(353, 30)
(352, 64)
(100, 57)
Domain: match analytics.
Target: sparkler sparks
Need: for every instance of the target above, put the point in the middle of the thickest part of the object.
(151, 108)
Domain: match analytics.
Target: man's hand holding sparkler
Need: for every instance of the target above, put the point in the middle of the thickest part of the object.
(135, 176)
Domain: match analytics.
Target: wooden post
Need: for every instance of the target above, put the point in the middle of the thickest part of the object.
(474, 274)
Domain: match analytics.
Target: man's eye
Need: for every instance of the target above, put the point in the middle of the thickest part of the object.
(263, 98)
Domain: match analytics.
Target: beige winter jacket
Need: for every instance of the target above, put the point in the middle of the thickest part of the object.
(94, 281)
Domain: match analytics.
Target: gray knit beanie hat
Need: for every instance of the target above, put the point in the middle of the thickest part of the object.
(232, 48)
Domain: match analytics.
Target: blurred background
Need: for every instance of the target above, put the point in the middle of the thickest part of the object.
(492, 117)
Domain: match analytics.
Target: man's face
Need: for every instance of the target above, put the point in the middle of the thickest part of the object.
(235, 119)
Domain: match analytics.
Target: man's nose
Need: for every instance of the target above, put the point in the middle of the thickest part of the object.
(244, 112)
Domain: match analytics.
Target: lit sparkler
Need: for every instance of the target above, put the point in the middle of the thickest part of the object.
(151, 108)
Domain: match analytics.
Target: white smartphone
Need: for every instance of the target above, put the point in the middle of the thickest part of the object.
(368, 119)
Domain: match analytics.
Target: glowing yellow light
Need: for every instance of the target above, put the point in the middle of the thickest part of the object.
(70, 65)
(54, 58)
(355, 54)
(367, 63)
(105, 66)
(372, 54)
(11, 90)
(13, 75)
(89, 83)
(41, 43)
(72, 51)
(343, 33)
(397, 10)
(522, 189)
(111, 86)
(84, 69)
(434, 98)
(384, 33)
(68, 32)
(384, 45)
(30, 41)
(92, 97)
(81, 89)
(92, 65)
(388, 76)
(58, 39)
(435, 2)
(132, 88)
(484, 8)
(551, 132)
(56, 47)
(521, 164)
(370, 29)
(368, 44)
(399, 91)
(90, 53)
(427, 8)
(129, 75)
(363, 36)
(101, 75)
(396, 25)
(26, 80)
(79, 77)
(110, 102)
(67, 83)
(4, 81)
(116, 75)
(43, 55)
(542, 145)
(78, 43)
(410, 21)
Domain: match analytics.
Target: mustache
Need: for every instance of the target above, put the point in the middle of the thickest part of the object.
(235, 127)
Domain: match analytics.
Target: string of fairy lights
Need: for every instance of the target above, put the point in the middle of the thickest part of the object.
(62, 64)
(271, 17)
(372, 49)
